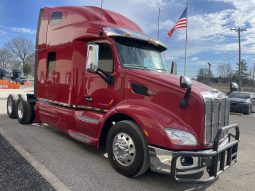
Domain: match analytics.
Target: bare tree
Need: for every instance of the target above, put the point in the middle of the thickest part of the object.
(5, 58)
(21, 48)
(225, 70)
(203, 75)
(29, 66)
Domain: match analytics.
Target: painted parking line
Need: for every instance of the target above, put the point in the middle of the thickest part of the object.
(46, 174)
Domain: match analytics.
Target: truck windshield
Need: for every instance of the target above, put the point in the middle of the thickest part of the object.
(140, 55)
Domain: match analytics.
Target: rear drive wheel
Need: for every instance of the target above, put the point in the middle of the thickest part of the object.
(127, 149)
(24, 111)
(11, 107)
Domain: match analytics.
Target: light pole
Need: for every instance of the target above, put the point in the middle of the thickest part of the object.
(209, 75)
(253, 75)
(239, 30)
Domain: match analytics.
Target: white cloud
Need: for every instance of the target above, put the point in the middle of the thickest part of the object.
(211, 32)
(244, 11)
(2, 32)
(22, 30)
(242, 15)
(195, 58)
(143, 12)
(149, 3)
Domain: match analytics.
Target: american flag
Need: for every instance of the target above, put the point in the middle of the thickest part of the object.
(181, 23)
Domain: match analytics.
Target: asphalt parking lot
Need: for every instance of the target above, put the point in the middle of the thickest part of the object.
(16, 173)
(81, 167)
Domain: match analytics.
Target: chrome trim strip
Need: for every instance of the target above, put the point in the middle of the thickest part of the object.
(87, 119)
(74, 106)
(212, 114)
(55, 102)
(79, 136)
(122, 32)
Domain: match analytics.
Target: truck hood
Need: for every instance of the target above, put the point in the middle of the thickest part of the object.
(166, 96)
(168, 80)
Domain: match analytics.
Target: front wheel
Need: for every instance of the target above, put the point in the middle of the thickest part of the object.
(127, 149)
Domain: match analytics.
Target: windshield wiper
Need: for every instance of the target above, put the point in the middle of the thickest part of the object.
(136, 66)
(162, 69)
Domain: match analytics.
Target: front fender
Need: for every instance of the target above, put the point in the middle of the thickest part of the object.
(153, 119)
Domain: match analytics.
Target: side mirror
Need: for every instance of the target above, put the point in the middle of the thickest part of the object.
(174, 68)
(92, 58)
(234, 86)
(185, 82)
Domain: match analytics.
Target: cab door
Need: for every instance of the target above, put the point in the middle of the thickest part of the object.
(100, 94)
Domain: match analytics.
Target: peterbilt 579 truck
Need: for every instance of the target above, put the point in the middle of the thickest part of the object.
(100, 79)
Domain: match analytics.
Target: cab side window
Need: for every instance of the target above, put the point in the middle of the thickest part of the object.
(105, 58)
(51, 61)
(56, 18)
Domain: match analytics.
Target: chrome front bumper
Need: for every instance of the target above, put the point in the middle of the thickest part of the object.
(214, 161)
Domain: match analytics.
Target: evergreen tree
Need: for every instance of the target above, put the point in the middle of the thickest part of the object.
(244, 70)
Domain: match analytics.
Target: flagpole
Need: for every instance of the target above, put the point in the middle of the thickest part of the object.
(185, 65)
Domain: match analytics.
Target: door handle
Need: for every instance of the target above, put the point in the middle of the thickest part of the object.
(89, 98)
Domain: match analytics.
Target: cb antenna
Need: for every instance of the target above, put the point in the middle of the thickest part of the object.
(158, 22)
(101, 13)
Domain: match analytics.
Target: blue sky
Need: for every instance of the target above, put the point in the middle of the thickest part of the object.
(209, 35)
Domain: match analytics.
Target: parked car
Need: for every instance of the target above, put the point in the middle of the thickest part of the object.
(21, 80)
(16, 74)
(4, 74)
(243, 102)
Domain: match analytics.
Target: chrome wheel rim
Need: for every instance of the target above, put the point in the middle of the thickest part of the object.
(9, 105)
(20, 110)
(124, 149)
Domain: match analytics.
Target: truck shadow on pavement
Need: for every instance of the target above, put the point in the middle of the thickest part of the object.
(150, 179)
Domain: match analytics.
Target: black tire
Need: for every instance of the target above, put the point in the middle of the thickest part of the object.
(11, 107)
(24, 111)
(140, 162)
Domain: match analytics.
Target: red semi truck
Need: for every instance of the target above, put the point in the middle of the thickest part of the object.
(100, 79)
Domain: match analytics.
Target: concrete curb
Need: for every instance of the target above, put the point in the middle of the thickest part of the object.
(233, 113)
(46, 174)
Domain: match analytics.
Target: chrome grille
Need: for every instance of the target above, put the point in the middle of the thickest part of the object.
(216, 115)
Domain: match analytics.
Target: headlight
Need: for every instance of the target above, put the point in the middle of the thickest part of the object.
(179, 137)
(247, 101)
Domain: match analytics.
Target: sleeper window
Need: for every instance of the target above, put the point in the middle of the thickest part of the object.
(56, 18)
(51, 61)
(105, 58)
